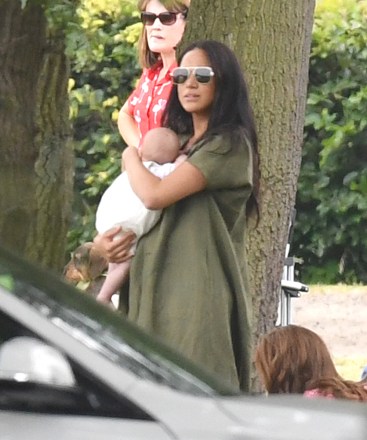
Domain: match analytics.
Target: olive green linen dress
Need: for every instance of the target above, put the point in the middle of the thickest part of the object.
(188, 281)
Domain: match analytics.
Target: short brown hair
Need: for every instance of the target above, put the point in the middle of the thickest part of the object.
(147, 58)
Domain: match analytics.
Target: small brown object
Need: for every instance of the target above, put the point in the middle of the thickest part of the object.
(86, 268)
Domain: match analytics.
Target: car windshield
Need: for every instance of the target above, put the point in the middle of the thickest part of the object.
(103, 330)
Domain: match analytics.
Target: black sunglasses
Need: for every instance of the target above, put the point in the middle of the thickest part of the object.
(202, 74)
(166, 18)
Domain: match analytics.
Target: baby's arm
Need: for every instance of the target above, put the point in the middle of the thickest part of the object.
(180, 158)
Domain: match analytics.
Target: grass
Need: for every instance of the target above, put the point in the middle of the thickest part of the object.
(319, 289)
(350, 368)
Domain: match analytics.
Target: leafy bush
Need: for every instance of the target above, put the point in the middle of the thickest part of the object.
(332, 195)
(102, 48)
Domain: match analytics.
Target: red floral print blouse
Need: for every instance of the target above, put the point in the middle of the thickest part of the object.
(148, 100)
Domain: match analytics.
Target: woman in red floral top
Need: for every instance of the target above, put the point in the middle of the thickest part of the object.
(162, 31)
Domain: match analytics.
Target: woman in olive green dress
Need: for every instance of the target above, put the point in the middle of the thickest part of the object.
(188, 279)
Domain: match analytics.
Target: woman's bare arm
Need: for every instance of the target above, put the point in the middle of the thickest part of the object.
(128, 127)
(155, 193)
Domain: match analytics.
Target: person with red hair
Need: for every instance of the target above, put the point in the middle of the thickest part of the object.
(295, 360)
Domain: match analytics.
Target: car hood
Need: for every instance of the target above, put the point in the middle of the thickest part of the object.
(252, 417)
(262, 417)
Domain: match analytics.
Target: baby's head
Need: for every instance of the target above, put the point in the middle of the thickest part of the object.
(160, 145)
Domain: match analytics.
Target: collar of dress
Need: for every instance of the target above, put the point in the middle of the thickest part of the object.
(154, 70)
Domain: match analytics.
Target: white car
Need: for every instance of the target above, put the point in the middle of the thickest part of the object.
(73, 369)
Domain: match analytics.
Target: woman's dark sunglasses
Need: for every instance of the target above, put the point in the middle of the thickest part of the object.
(202, 74)
(166, 18)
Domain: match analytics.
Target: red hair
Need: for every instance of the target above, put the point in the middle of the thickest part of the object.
(289, 358)
(340, 388)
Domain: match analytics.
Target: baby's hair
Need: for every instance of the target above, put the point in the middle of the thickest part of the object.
(160, 145)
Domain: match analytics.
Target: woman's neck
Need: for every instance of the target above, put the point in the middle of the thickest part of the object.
(200, 125)
(167, 60)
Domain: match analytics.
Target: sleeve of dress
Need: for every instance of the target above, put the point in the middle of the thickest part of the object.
(224, 163)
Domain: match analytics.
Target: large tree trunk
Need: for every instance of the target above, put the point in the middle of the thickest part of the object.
(272, 41)
(36, 167)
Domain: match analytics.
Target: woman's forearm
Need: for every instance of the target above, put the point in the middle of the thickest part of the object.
(156, 193)
(128, 128)
(143, 182)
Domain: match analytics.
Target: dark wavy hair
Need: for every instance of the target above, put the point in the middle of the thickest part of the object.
(231, 108)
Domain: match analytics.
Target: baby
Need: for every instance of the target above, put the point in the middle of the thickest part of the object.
(120, 206)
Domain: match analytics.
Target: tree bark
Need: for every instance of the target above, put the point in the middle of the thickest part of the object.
(36, 168)
(272, 41)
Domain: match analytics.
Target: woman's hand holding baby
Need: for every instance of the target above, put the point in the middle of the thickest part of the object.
(130, 153)
(115, 248)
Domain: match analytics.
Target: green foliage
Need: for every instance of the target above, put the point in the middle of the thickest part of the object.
(102, 48)
(61, 14)
(332, 195)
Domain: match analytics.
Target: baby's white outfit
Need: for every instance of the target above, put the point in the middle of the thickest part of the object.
(120, 206)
